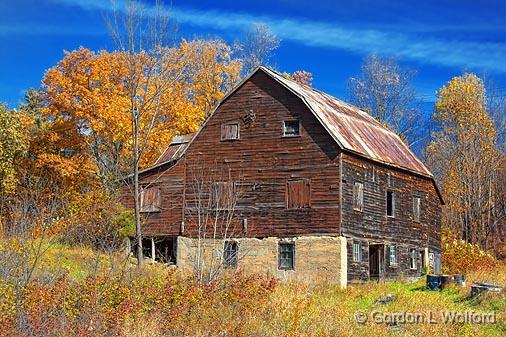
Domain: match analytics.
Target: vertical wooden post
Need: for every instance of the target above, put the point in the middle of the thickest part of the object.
(152, 249)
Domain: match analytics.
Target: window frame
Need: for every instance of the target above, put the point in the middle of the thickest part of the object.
(224, 125)
(393, 259)
(306, 185)
(230, 256)
(291, 121)
(290, 259)
(358, 192)
(413, 259)
(157, 205)
(217, 196)
(417, 209)
(356, 251)
(392, 193)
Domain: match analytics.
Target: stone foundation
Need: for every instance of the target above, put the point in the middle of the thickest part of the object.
(316, 258)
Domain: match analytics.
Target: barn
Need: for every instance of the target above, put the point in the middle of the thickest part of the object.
(289, 181)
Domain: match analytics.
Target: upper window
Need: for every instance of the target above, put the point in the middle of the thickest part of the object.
(230, 250)
(291, 128)
(390, 204)
(286, 255)
(357, 252)
(358, 196)
(416, 208)
(151, 200)
(298, 193)
(230, 131)
(392, 254)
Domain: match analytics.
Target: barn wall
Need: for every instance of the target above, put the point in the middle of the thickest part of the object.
(372, 224)
(263, 160)
(167, 221)
(317, 258)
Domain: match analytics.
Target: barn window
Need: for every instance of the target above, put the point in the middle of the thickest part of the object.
(230, 250)
(358, 196)
(390, 204)
(286, 255)
(357, 252)
(223, 195)
(412, 258)
(291, 128)
(230, 131)
(298, 193)
(392, 255)
(416, 208)
(151, 200)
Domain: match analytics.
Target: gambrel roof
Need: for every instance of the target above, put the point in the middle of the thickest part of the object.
(353, 130)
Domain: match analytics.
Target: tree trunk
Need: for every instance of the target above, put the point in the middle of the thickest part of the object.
(137, 201)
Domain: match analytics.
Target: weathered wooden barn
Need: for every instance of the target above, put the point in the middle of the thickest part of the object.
(287, 180)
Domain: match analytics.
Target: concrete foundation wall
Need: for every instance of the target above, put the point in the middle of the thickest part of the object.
(316, 258)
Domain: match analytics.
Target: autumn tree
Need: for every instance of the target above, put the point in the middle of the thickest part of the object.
(13, 143)
(385, 90)
(210, 72)
(257, 47)
(300, 76)
(464, 159)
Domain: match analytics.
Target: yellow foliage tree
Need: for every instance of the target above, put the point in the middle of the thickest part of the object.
(464, 158)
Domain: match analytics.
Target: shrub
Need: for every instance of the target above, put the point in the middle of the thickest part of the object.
(462, 257)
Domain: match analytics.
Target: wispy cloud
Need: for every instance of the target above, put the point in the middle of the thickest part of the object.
(439, 51)
(33, 29)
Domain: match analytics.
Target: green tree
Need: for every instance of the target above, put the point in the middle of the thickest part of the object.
(13, 143)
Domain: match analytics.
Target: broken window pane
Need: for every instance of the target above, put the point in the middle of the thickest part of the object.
(291, 128)
(286, 254)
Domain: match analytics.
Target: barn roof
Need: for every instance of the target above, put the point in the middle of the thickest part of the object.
(175, 149)
(353, 129)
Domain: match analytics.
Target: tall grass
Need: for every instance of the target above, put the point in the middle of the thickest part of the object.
(159, 301)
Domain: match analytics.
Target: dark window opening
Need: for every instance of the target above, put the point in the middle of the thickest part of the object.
(298, 193)
(291, 128)
(165, 249)
(390, 203)
(230, 250)
(286, 255)
(230, 131)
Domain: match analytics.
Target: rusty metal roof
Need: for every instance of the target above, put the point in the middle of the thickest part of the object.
(353, 129)
(176, 148)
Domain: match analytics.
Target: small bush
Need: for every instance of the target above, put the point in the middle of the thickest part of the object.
(462, 257)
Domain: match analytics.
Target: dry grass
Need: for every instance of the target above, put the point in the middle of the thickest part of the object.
(159, 302)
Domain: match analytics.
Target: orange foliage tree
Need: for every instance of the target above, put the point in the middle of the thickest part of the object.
(87, 101)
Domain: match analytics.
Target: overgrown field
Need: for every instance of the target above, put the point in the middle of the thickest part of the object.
(76, 293)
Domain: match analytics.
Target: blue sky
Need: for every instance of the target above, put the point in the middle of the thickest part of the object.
(440, 39)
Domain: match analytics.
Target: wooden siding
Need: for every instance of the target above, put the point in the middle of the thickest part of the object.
(262, 161)
(170, 181)
(373, 224)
